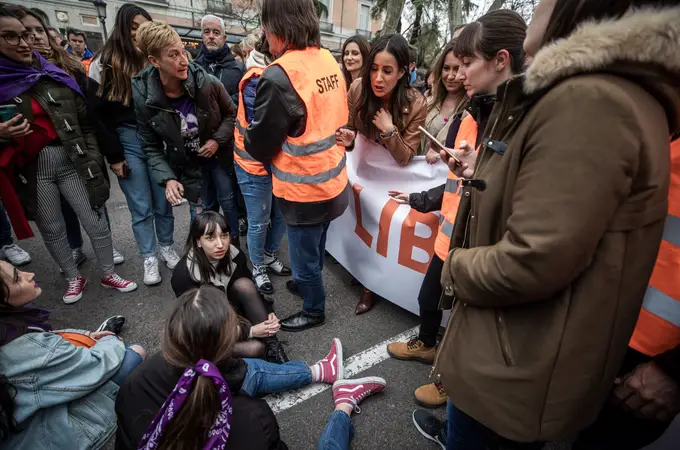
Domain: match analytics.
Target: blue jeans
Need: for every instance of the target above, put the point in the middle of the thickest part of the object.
(130, 362)
(338, 432)
(306, 246)
(5, 228)
(217, 184)
(261, 206)
(74, 235)
(145, 198)
(465, 433)
(265, 378)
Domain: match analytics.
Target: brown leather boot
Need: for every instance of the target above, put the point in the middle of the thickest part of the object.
(412, 350)
(366, 302)
(431, 395)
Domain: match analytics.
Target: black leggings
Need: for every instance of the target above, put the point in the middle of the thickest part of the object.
(247, 300)
(428, 300)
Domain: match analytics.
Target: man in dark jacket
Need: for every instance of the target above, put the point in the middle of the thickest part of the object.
(216, 57)
(184, 130)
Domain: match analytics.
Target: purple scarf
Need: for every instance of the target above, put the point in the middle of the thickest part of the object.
(16, 78)
(219, 431)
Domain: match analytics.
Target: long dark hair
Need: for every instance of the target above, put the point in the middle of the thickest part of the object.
(294, 21)
(568, 14)
(54, 54)
(206, 223)
(120, 59)
(495, 31)
(364, 49)
(439, 91)
(203, 325)
(401, 97)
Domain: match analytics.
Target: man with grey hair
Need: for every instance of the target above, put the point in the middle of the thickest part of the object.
(216, 58)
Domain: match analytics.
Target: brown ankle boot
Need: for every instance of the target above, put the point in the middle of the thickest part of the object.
(366, 302)
(431, 395)
(412, 350)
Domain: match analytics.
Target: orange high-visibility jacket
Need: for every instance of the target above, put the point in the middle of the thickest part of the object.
(451, 200)
(658, 326)
(241, 156)
(311, 167)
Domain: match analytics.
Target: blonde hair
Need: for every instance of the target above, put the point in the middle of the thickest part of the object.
(152, 36)
(250, 41)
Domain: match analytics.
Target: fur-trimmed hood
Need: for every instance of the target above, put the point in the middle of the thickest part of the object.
(643, 44)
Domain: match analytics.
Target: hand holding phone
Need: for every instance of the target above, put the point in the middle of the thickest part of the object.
(13, 124)
(439, 145)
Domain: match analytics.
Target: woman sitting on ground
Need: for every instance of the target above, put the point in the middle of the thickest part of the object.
(69, 375)
(384, 108)
(164, 406)
(211, 259)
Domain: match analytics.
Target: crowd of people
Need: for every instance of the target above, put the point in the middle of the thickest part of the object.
(557, 248)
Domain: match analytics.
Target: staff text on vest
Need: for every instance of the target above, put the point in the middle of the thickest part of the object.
(325, 84)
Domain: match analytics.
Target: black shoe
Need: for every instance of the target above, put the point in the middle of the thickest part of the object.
(293, 288)
(430, 427)
(301, 322)
(274, 353)
(113, 324)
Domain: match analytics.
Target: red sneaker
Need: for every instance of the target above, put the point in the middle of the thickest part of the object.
(76, 286)
(352, 392)
(114, 281)
(331, 367)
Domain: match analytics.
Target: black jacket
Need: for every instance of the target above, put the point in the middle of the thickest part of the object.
(182, 281)
(279, 113)
(158, 127)
(224, 67)
(68, 112)
(253, 424)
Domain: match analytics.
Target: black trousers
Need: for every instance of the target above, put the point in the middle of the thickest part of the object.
(428, 300)
(615, 429)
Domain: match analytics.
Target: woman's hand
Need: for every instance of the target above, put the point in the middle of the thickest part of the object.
(467, 157)
(344, 137)
(15, 127)
(174, 191)
(96, 335)
(400, 197)
(117, 168)
(267, 328)
(432, 156)
(383, 121)
(209, 149)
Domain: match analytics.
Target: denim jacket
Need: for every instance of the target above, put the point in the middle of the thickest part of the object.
(64, 399)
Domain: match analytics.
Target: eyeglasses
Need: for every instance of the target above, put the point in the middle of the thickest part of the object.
(14, 39)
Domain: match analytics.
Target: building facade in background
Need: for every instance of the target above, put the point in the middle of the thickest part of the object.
(345, 18)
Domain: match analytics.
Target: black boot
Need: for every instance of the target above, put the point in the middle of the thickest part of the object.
(274, 353)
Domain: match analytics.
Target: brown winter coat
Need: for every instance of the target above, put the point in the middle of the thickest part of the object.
(403, 144)
(550, 262)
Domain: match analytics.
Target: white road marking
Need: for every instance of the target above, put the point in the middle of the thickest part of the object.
(353, 365)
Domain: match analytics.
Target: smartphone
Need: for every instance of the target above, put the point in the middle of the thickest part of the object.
(439, 144)
(7, 112)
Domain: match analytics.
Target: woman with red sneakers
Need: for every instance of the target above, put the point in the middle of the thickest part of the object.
(195, 394)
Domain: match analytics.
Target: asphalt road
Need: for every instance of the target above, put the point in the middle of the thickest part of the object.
(385, 421)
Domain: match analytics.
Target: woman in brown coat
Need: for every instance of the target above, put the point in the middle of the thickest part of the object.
(385, 109)
(552, 252)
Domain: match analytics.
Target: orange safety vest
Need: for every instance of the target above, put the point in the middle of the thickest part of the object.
(451, 200)
(241, 156)
(311, 167)
(658, 326)
(86, 63)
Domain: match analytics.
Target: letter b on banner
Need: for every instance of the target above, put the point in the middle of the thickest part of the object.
(409, 241)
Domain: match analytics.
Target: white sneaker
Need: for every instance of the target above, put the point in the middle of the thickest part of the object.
(118, 257)
(15, 254)
(169, 257)
(151, 274)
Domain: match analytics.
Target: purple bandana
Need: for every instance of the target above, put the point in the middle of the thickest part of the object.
(219, 431)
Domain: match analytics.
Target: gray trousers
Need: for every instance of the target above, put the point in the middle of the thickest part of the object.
(57, 175)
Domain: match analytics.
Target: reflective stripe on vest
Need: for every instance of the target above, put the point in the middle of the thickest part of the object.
(311, 167)
(451, 200)
(241, 156)
(658, 326)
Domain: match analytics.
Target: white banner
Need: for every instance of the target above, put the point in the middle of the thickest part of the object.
(383, 244)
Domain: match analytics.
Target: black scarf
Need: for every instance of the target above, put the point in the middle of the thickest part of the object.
(218, 55)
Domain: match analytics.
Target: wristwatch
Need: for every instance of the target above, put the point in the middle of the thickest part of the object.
(388, 134)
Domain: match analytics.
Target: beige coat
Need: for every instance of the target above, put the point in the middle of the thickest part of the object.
(551, 261)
